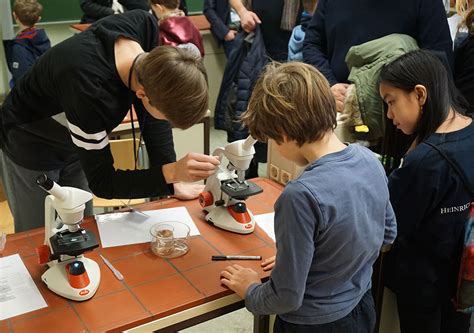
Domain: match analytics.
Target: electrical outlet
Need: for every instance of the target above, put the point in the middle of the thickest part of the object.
(274, 172)
(285, 176)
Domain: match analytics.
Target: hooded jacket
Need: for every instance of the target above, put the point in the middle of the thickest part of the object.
(23, 51)
(177, 30)
(365, 62)
(241, 72)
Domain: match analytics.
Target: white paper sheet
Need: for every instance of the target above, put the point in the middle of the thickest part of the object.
(266, 222)
(18, 292)
(118, 229)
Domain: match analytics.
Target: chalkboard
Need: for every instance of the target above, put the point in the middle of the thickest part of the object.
(59, 10)
(69, 10)
(194, 6)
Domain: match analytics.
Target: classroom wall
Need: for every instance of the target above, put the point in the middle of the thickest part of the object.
(6, 31)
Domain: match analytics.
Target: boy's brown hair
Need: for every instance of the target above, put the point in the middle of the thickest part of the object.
(28, 12)
(293, 100)
(170, 4)
(175, 82)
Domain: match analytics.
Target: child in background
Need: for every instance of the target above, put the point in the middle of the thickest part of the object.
(330, 223)
(218, 13)
(30, 43)
(175, 27)
(295, 45)
(430, 201)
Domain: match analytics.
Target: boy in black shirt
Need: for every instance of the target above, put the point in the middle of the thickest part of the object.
(88, 83)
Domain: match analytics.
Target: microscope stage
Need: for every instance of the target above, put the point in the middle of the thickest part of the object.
(240, 190)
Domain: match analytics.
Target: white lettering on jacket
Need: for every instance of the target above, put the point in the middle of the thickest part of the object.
(455, 209)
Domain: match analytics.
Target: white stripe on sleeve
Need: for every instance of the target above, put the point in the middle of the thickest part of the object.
(88, 145)
(93, 136)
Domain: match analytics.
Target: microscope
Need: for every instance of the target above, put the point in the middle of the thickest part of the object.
(226, 190)
(70, 274)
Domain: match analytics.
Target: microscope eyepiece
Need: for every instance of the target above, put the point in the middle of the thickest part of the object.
(44, 182)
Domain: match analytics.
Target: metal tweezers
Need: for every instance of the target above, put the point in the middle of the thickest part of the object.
(134, 210)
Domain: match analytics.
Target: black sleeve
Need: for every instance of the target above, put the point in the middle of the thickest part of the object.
(218, 27)
(91, 141)
(464, 71)
(135, 4)
(158, 137)
(23, 58)
(315, 43)
(433, 29)
(95, 10)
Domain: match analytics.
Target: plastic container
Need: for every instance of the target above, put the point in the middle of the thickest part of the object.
(169, 239)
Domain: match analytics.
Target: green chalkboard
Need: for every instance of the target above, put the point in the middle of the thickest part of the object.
(194, 6)
(59, 10)
(69, 10)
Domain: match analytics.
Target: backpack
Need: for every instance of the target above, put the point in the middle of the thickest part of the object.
(464, 298)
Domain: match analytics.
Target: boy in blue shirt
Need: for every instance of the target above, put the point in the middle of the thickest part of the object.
(330, 223)
(30, 43)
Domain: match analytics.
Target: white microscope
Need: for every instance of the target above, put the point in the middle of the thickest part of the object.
(225, 191)
(70, 274)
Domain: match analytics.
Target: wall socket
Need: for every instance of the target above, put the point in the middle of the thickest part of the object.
(274, 172)
(285, 176)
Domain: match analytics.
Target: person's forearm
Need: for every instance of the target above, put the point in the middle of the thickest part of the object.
(238, 6)
(169, 173)
(262, 299)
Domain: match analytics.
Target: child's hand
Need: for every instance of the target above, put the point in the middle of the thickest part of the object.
(339, 91)
(187, 191)
(248, 20)
(268, 263)
(230, 35)
(239, 279)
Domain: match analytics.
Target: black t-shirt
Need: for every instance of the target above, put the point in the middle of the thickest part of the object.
(78, 77)
(431, 205)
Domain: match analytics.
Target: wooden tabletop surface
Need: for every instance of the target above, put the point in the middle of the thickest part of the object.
(152, 287)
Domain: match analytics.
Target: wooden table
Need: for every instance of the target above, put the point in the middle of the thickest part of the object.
(199, 21)
(159, 294)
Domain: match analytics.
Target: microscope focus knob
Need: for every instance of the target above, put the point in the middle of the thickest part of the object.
(43, 252)
(77, 274)
(206, 199)
(239, 207)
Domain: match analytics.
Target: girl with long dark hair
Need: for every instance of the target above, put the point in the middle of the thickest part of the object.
(430, 200)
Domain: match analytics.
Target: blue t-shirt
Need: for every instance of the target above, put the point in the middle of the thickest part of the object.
(330, 224)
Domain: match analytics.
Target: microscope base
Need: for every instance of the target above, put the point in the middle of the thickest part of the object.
(56, 278)
(220, 217)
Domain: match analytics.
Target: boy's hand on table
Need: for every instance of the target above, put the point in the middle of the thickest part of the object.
(239, 279)
(187, 191)
(190, 168)
(268, 263)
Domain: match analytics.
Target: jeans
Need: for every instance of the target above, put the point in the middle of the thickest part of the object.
(360, 320)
